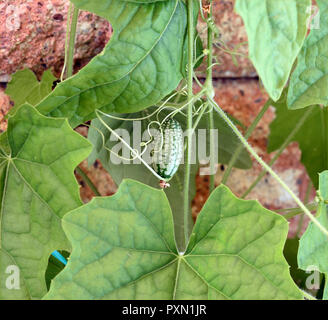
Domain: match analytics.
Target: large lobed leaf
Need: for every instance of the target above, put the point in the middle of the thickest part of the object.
(37, 187)
(309, 81)
(124, 248)
(141, 64)
(311, 136)
(276, 31)
(313, 249)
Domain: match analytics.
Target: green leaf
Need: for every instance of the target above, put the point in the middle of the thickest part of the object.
(276, 31)
(141, 64)
(124, 248)
(313, 249)
(311, 136)
(24, 87)
(309, 82)
(37, 188)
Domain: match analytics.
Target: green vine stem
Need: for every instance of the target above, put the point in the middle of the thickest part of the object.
(71, 48)
(266, 166)
(69, 13)
(200, 116)
(190, 81)
(293, 212)
(306, 200)
(280, 151)
(210, 90)
(248, 133)
(212, 151)
(72, 20)
(88, 181)
(70, 42)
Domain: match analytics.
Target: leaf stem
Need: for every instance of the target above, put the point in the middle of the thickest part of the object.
(88, 181)
(306, 200)
(186, 210)
(209, 71)
(71, 47)
(199, 117)
(293, 212)
(212, 151)
(280, 151)
(210, 90)
(266, 167)
(69, 12)
(248, 133)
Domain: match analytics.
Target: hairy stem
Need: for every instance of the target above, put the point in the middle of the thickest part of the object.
(280, 151)
(69, 13)
(199, 117)
(212, 151)
(191, 37)
(266, 167)
(293, 212)
(248, 133)
(72, 38)
(311, 206)
(306, 200)
(88, 181)
(210, 89)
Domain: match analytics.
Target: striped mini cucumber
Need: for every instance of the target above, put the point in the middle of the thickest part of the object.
(168, 150)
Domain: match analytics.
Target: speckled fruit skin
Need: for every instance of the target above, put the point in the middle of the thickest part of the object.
(168, 149)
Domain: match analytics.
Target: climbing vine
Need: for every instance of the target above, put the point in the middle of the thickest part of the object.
(142, 243)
